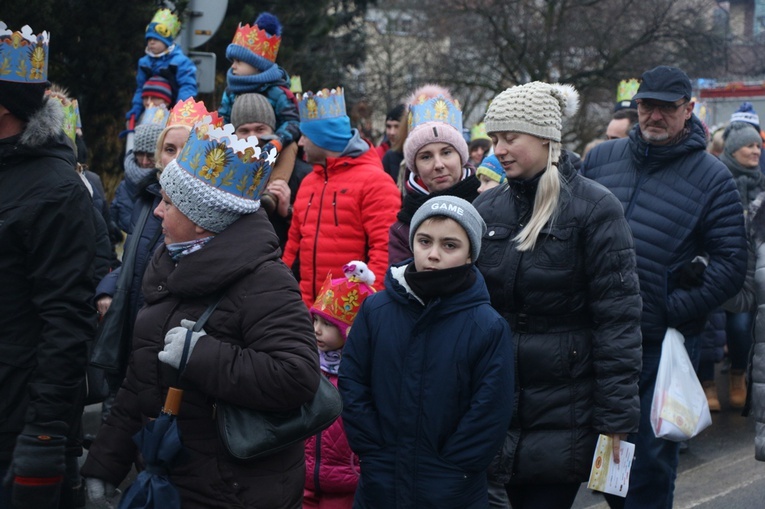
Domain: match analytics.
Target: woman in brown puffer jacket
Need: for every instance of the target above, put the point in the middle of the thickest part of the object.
(257, 349)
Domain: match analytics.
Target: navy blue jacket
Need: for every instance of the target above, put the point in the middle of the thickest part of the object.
(148, 196)
(427, 394)
(680, 202)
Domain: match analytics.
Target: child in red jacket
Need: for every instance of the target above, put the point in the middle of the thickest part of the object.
(332, 469)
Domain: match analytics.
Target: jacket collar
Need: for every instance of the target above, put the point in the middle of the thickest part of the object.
(43, 136)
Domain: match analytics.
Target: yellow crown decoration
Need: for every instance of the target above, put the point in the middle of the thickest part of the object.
(23, 55)
(164, 24)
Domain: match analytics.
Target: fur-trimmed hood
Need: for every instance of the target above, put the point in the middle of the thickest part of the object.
(44, 125)
(42, 136)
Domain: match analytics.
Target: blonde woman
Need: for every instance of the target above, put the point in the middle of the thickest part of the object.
(559, 263)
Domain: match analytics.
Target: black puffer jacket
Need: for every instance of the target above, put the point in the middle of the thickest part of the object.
(47, 249)
(573, 305)
(259, 352)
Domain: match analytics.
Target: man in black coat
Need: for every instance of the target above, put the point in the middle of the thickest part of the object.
(681, 203)
(47, 249)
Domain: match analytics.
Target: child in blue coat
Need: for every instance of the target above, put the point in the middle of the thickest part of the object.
(427, 373)
(164, 58)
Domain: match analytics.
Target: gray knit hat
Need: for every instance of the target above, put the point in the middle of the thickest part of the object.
(146, 136)
(740, 134)
(454, 208)
(250, 108)
(535, 108)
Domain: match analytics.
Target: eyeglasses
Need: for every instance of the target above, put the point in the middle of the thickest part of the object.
(664, 108)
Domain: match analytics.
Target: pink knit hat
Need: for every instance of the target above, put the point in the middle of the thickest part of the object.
(434, 117)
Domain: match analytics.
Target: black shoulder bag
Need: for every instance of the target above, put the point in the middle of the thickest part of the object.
(113, 334)
(249, 434)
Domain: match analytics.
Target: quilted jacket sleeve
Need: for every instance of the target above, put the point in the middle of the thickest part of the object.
(615, 306)
(380, 204)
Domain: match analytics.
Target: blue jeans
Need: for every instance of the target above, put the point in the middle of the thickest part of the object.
(738, 330)
(654, 469)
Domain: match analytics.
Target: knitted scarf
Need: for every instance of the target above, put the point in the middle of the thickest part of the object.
(750, 181)
(178, 250)
(330, 361)
(467, 189)
(245, 84)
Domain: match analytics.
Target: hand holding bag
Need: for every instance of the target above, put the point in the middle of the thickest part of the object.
(679, 409)
(250, 434)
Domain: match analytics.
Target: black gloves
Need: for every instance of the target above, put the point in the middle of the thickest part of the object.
(37, 470)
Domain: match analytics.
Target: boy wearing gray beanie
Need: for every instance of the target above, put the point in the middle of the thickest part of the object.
(430, 362)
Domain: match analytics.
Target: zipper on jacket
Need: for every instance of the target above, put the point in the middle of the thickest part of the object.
(633, 198)
(334, 207)
(307, 208)
(316, 235)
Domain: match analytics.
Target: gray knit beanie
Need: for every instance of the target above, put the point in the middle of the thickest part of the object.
(535, 108)
(250, 108)
(738, 135)
(146, 136)
(454, 208)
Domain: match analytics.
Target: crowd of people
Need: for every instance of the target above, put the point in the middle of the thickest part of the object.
(486, 310)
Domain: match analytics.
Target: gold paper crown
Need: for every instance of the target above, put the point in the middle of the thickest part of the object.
(23, 55)
(189, 112)
(165, 23)
(258, 41)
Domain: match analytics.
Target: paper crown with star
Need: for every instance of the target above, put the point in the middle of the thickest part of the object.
(435, 109)
(164, 26)
(190, 112)
(23, 55)
(323, 105)
(217, 177)
(339, 299)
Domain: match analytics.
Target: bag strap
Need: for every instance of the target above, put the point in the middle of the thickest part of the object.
(198, 327)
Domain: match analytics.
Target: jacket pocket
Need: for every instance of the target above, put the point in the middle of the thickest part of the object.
(554, 248)
(495, 242)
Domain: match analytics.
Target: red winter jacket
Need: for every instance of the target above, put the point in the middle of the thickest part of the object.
(335, 469)
(342, 212)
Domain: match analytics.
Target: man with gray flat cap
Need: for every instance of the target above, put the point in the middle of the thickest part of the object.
(682, 206)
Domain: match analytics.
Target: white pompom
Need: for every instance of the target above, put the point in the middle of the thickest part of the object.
(569, 98)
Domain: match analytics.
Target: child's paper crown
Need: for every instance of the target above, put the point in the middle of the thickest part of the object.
(189, 112)
(258, 41)
(217, 158)
(156, 115)
(339, 299)
(164, 26)
(435, 109)
(478, 132)
(627, 89)
(323, 105)
(23, 55)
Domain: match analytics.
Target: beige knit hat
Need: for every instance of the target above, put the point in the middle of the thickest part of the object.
(535, 108)
(252, 107)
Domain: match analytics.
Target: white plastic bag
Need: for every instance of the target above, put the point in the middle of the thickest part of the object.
(679, 409)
